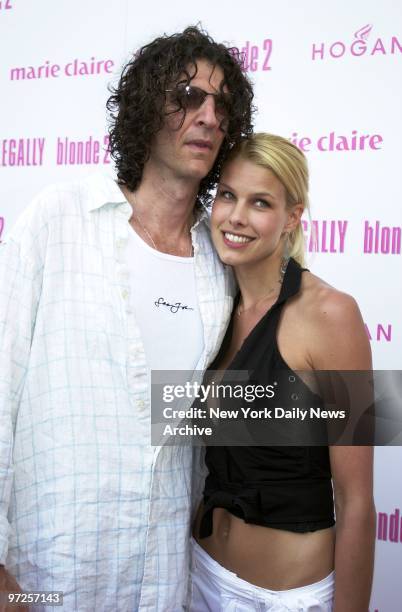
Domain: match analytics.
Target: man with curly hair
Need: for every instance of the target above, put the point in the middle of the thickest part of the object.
(102, 281)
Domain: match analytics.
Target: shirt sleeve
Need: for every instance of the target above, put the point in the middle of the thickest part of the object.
(20, 288)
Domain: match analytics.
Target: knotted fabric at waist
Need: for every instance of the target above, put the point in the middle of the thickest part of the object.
(299, 506)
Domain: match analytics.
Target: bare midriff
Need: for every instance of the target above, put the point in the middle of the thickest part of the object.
(274, 559)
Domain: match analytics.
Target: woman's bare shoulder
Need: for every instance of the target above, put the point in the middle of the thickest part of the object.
(321, 301)
(334, 326)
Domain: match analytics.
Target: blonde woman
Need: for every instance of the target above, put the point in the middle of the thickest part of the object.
(265, 535)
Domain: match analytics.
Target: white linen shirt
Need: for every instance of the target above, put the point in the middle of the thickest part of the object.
(87, 505)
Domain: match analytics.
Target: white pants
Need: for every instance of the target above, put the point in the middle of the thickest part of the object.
(216, 589)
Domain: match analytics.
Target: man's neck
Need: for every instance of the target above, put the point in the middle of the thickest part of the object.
(163, 202)
(163, 210)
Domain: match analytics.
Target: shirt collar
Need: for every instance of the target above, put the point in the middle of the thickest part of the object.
(102, 189)
(202, 214)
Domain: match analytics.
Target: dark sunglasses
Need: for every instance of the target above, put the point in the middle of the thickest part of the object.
(190, 97)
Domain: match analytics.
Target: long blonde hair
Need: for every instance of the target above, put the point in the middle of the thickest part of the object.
(289, 165)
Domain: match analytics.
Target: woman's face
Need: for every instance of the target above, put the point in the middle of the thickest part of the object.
(249, 215)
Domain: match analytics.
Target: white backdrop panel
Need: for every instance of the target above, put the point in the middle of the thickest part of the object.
(326, 75)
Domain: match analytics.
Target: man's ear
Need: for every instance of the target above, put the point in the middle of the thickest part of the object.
(294, 216)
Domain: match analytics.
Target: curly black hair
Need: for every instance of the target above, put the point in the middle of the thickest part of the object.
(137, 105)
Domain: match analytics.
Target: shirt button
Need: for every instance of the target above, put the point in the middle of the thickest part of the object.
(141, 404)
(124, 294)
(120, 243)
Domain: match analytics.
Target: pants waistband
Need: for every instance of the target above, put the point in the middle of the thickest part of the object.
(323, 589)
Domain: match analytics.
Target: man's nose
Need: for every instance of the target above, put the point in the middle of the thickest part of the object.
(207, 113)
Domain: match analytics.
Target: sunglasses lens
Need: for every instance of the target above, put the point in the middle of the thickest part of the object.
(191, 97)
(222, 104)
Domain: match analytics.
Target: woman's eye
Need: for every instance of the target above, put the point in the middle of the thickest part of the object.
(262, 204)
(226, 195)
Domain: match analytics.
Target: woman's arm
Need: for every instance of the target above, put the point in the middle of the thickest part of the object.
(355, 526)
(341, 343)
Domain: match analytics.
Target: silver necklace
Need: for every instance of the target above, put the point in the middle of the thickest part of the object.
(284, 264)
(145, 230)
(136, 214)
(241, 310)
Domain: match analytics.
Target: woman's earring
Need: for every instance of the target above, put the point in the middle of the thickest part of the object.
(285, 255)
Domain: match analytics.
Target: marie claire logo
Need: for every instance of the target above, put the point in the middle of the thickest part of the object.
(360, 45)
(5, 5)
(333, 142)
(74, 68)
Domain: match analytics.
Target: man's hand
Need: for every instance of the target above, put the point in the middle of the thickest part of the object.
(9, 585)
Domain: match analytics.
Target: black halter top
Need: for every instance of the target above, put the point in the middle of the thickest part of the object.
(283, 487)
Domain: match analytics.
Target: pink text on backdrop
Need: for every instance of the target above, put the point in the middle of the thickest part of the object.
(382, 239)
(1, 226)
(5, 5)
(379, 332)
(254, 56)
(72, 69)
(357, 47)
(22, 151)
(325, 236)
(389, 526)
(77, 152)
(333, 142)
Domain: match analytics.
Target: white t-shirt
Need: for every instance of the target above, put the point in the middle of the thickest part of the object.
(164, 299)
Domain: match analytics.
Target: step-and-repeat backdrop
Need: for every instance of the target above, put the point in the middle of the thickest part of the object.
(326, 75)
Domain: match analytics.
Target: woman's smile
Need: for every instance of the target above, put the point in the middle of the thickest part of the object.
(236, 241)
